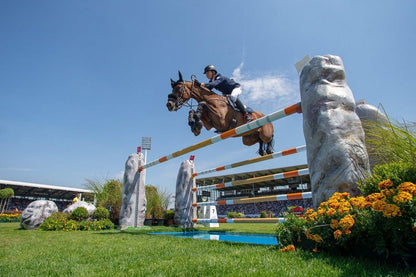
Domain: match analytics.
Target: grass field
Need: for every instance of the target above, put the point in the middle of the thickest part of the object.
(134, 253)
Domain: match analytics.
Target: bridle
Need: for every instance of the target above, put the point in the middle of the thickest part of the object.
(178, 99)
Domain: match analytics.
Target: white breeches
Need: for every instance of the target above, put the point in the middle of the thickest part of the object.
(235, 93)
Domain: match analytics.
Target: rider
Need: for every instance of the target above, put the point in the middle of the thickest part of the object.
(227, 86)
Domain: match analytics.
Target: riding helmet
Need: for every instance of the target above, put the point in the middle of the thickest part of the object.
(209, 68)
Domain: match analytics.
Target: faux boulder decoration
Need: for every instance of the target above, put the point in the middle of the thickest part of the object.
(90, 207)
(184, 196)
(336, 152)
(369, 112)
(36, 213)
(133, 195)
(369, 115)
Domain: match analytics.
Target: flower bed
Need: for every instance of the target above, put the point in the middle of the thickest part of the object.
(10, 217)
(382, 223)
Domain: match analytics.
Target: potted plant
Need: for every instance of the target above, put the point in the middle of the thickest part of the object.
(169, 215)
(159, 216)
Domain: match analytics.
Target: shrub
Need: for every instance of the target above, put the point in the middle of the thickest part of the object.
(234, 215)
(60, 222)
(55, 222)
(101, 213)
(263, 214)
(79, 214)
(170, 214)
(382, 223)
(396, 172)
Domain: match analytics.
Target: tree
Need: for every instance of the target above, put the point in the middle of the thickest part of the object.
(108, 195)
(4, 195)
(157, 201)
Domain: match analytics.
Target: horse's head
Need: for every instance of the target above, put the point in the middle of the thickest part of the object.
(180, 94)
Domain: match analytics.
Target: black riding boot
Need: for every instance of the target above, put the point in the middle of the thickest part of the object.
(241, 107)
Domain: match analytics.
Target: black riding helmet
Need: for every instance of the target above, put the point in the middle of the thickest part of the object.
(209, 68)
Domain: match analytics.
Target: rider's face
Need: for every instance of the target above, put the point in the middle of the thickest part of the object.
(210, 74)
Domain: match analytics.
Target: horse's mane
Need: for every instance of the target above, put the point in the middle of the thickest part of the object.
(203, 89)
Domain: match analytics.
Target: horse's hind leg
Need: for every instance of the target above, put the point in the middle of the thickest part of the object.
(261, 148)
(269, 147)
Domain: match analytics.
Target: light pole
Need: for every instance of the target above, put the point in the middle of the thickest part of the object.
(146, 145)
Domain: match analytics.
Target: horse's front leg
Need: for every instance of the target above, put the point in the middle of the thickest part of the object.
(194, 120)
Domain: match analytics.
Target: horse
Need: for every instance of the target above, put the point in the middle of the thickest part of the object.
(215, 111)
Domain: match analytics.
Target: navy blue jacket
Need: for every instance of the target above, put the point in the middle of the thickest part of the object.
(222, 83)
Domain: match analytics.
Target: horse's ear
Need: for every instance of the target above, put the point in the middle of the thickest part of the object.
(172, 82)
(180, 76)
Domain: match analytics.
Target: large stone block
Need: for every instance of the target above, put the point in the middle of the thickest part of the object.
(184, 196)
(90, 207)
(134, 194)
(36, 213)
(336, 152)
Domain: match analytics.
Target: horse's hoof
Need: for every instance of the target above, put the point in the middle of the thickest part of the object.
(197, 132)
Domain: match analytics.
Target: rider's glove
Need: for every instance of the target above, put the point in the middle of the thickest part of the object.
(197, 83)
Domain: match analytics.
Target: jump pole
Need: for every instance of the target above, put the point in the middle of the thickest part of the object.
(253, 160)
(296, 108)
(284, 175)
(241, 220)
(280, 197)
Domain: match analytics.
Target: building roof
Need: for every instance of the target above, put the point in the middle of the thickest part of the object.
(23, 189)
(291, 182)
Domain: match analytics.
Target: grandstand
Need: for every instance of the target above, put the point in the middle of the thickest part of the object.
(273, 187)
(24, 193)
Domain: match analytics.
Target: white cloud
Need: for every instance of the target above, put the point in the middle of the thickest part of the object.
(267, 93)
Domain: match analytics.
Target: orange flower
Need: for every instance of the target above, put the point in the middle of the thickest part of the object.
(288, 248)
(403, 197)
(344, 207)
(388, 192)
(331, 212)
(385, 184)
(374, 197)
(334, 224)
(337, 234)
(347, 222)
(407, 186)
(345, 194)
(315, 250)
(358, 202)
(391, 210)
(346, 232)
(323, 204)
(321, 211)
(379, 205)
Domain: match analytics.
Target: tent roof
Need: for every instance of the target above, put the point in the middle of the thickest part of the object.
(24, 189)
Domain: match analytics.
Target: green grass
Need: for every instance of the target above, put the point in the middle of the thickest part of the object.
(134, 253)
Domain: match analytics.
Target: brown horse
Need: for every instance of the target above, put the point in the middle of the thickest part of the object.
(215, 111)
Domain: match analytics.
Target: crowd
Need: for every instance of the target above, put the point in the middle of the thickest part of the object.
(19, 204)
(278, 208)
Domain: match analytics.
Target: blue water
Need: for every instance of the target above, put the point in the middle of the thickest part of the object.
(223, 236)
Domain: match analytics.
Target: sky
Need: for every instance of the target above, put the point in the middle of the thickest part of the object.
(81, 82)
